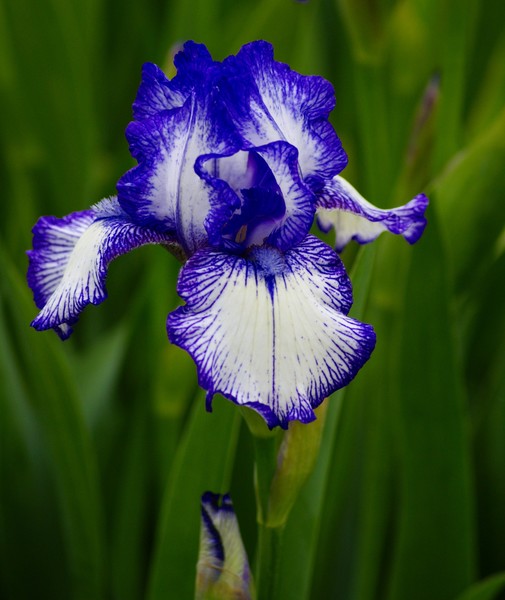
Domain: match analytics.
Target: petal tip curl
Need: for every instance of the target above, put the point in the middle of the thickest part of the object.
(341, 207)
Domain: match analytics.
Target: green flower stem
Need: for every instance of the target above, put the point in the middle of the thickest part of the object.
(267, 556)
(283, 463)
(269, 544)
(266, 464)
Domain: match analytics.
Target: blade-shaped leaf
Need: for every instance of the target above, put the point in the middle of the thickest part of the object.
(203, 463)
(53, 399)
(434, 553)
(485, 590)
(469, 200)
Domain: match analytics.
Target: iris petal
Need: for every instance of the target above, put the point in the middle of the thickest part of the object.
(269, 102)
(158, 93)
(70, 256)
(282, 158)
(164, 190)
(270, 331)
(342, 207)
(226, 177)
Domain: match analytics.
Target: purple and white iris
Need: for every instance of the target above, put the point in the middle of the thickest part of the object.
(235, 160)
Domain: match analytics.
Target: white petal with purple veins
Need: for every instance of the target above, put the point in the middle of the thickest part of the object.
(343, 208)
(70, 256)
(270, 331)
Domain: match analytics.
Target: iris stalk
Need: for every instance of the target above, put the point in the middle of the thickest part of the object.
(269, 538)
(281, 471)
(269, 545)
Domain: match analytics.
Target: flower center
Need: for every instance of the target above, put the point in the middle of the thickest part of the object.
(268, 259)
(262, 205)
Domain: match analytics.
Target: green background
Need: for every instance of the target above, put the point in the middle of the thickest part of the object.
(105, 446)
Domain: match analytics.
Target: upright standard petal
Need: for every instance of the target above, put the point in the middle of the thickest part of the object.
(223, 569)
(342, 207)
(163, 190)
(270, 330)
(269, 102)
(157, 93)
(68, 263)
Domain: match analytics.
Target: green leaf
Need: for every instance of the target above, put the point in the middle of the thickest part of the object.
(452, 38)
(31, 531)
(129, 521)
(469, 200)
(203, 463)
(484, 360)
(491, 94)
(366, 27)
(485, 590)
(52, 396)
(434, 551)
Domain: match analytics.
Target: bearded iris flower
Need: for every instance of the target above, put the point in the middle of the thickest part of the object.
(235, 160)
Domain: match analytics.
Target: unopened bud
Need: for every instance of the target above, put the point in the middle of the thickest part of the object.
(223, 569)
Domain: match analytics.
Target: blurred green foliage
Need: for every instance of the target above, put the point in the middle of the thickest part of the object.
(105, 445)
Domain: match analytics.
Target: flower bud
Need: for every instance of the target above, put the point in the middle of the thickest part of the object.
(223, 569)
(296, 458)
